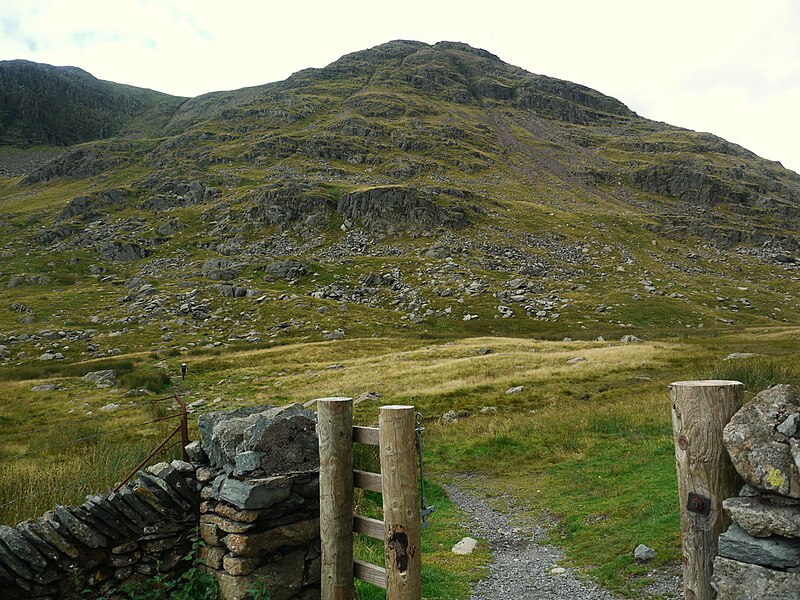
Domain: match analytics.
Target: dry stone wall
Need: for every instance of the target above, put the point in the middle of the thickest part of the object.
(110, 540)
(252, 487)
(759, 555)
(259, 514)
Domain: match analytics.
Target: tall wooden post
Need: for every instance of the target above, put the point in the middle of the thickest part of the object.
(397, 426)
(700, 410)
(335, 431)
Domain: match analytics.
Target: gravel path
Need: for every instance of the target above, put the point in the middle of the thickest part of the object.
(523, 567)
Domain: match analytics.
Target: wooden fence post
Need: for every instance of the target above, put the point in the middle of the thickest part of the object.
(335, 431)
(700, 410)
(398, 451)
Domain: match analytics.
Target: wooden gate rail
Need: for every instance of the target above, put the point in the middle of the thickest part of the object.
(396, 438)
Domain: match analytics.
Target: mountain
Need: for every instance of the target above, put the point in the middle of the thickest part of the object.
(42, 104)
(408, 187)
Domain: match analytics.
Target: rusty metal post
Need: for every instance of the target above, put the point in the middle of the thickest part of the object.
(398, 450)
(184, 426)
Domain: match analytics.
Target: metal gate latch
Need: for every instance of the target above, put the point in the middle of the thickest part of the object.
(698, 504)
(425, 510)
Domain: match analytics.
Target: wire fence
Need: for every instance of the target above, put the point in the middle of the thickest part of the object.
(84, 455)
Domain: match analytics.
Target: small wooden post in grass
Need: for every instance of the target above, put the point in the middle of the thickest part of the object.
(398, 450)
(700, 410)
(335, 431)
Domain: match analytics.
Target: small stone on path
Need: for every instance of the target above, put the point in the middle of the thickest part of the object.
(466, 546)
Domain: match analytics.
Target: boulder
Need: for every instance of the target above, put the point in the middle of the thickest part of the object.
(286, 435)
(219, 435)
(104, 378)
(379, 207)
(761, 454)
(286, 269)
(117, 251)
(221, 269)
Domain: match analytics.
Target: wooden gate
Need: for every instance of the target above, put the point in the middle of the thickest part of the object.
(400, 528)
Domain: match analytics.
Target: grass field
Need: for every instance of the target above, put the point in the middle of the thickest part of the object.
(586, 445)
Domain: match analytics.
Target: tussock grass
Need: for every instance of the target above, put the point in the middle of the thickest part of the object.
(756, 373)
(50, 370)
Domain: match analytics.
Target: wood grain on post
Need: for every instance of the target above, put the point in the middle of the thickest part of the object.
(700, 411)
(335, 431)
(398, 449)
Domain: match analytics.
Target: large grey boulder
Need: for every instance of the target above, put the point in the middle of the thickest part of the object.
(222, 269)
(286, 269)
(121, 251)
(286, 435)
(760, 452)
(221, 432)
(104, 378)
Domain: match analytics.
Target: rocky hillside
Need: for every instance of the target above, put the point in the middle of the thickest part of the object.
(409, 187)
(42, 104)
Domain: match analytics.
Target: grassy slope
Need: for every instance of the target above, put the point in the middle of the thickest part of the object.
(586, 444)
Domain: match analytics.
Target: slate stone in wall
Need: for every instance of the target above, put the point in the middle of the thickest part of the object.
(735, 580)
(78, 529)
(760, 453)
(258, 544)
(17, 544)
(760, 518)
(50, 534)
(774, 551)
(251, 494)
(284, 578)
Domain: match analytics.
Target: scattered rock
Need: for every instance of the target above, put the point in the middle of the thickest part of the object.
(367, 396)
(643, 553)
(576, 360)
(101, 379)
(336, 334)
(47, 387)
(739, 355)
(515, 390)
(450, 417)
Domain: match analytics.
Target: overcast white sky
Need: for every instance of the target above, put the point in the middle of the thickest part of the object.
(730, 67)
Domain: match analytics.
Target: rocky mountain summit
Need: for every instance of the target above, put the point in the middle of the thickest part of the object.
(408, 186)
